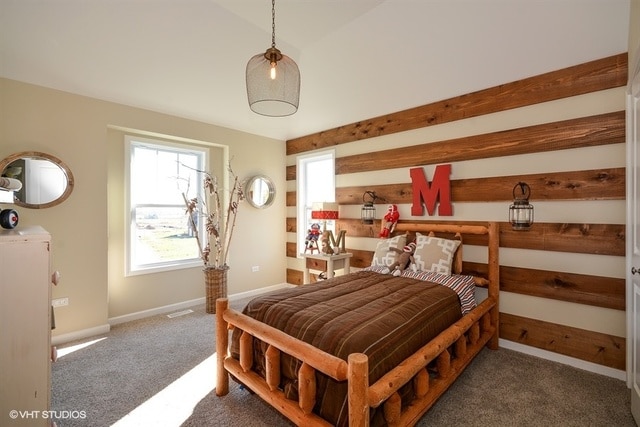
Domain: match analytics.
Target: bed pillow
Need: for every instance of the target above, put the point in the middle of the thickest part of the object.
(464, 286)
(434, 253)
(383, 256)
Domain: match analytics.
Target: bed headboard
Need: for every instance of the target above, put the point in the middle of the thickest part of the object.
(458, 231)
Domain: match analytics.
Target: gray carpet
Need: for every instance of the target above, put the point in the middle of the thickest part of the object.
(103, 382)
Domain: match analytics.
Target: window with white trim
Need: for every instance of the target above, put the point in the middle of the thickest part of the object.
(159, 236)
(316, 183)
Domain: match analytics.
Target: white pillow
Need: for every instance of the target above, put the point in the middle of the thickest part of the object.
(383, 255)
(434, 254)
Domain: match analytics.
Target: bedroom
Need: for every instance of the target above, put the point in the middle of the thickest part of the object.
(85, 132)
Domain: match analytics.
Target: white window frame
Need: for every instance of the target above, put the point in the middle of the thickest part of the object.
(131, 141)
(303, 203)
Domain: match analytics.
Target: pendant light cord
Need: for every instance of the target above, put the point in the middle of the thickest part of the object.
(273, 23)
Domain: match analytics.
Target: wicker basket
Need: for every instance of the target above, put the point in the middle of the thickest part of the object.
(215, 280)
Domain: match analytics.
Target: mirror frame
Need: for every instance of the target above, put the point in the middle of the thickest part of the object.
(37, 154)
(272, 191)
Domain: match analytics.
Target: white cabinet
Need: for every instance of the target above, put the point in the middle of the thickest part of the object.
(25, 326)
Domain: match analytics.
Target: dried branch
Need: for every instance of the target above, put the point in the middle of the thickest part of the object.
(232, 212)
(212, 208)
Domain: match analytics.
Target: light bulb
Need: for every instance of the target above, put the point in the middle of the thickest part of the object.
(273, 71)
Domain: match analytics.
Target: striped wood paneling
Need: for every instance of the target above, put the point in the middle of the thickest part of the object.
(597, 291)
(600, 239)
(583, 132)
(601, 184)
(590, 77)
(591, 346)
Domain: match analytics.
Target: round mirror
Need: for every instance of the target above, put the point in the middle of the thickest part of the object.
(46, 180)
(260, 191)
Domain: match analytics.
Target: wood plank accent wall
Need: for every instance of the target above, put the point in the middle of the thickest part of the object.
(601, 184)
(571, 185)
(599, 239)
(577, 133)
(585, 345)
(593, 76)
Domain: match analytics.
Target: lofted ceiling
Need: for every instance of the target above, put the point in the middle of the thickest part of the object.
(358, 58)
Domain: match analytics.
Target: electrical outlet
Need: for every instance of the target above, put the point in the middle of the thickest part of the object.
(60, 302)
(255, 268)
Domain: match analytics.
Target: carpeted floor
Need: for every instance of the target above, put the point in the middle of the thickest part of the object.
(158, 372)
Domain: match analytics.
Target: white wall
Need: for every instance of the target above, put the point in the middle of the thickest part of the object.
(634, 32)
(87, 228)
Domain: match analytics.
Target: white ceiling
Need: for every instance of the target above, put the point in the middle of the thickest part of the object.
(358, 58)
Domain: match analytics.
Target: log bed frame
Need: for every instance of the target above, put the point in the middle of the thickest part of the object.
(452, 350)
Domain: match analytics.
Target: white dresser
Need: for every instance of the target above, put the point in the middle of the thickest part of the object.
(25, 327)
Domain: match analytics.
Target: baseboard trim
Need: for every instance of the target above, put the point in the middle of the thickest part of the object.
(155, 311)
(187, 304)
(81, 334)
(103, 329)
(565, 360)
(260, 291)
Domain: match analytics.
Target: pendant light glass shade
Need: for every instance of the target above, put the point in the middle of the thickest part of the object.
(278, 96)
(273, 80)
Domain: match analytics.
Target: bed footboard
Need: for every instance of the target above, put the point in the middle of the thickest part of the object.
(452, 351)
(313, 359)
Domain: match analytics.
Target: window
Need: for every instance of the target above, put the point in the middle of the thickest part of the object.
(159, 236)
(316, 183)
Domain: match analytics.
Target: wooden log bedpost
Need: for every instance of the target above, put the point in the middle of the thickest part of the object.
(246, 351)
(393, 409)
(272, 367)
(494, 280)
(222, 347)
(358, 390)
(306, 388)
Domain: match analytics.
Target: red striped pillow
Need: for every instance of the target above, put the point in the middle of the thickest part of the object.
(464, 286)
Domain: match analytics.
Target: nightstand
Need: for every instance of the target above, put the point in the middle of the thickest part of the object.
(328, 263)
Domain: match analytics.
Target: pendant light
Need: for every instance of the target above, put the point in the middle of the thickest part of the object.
(273, 79)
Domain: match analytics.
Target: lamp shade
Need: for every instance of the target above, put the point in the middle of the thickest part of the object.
(273, 85)
(324, 211)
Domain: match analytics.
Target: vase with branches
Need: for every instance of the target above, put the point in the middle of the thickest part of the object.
(219, 223)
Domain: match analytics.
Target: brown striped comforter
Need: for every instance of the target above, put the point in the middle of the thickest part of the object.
(388, 318)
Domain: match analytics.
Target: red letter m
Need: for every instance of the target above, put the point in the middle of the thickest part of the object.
(440, 189)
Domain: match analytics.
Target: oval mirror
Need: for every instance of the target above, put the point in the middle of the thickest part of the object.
(46, 180)
(260, 191)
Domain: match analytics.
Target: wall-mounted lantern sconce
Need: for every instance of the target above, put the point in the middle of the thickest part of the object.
(368, 211)
(520, 211)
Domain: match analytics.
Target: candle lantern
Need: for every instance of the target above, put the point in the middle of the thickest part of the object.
(368, 211)
(521, 211)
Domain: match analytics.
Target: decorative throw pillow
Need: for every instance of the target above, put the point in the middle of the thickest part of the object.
(434, 254)
(464, 286)
(383, 256)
